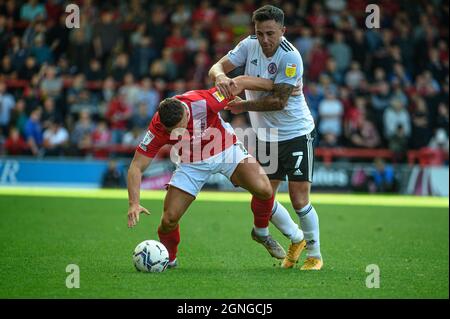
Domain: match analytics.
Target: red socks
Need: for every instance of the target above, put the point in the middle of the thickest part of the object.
(170, 240)
(262, 209)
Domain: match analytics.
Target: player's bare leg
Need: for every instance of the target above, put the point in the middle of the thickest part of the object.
(282, 220)
(250, 175)
(176, 203)
(309, 223)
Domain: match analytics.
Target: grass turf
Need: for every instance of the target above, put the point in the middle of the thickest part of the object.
(40, 234)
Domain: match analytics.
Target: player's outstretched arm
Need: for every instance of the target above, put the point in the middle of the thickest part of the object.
(218, 72)
(245, 82)
(137, 167)
(274, 102)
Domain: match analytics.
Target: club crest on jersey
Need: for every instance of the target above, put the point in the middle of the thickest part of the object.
(291, 70)
(147, 139)
(219, 97)
(272, 68)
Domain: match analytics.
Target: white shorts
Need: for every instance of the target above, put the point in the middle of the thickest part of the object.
(190, 177)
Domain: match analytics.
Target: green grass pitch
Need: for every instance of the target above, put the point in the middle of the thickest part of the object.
(44, 230)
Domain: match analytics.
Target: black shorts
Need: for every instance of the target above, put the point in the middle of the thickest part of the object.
(294, 158)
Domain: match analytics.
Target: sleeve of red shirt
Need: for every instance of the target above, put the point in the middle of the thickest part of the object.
(216, 101)
(154, 139)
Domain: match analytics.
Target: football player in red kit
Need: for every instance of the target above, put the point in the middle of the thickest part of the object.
(204, 144)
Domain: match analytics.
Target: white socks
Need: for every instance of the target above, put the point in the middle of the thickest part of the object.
(283, 221)
(309, 223)
(261, 232)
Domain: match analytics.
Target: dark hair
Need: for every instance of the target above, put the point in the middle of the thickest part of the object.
(170, 112)
(268, 12)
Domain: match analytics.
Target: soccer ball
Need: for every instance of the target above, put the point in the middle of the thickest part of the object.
(150, 256)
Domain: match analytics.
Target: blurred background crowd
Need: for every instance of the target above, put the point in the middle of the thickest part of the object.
(91, 91)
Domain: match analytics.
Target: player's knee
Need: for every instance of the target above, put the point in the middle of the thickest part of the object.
(300, 201)
(263, 190)
(168, 222)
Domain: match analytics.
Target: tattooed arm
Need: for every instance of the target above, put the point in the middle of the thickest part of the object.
(274, 102)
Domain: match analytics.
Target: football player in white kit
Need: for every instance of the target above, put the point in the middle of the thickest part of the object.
(270, 56)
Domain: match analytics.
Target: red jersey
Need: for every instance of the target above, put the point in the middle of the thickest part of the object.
(206, 134)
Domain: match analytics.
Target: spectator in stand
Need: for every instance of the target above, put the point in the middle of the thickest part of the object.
(177, 42)
(398, 144)
(56, 139)
(113, 177)
(133, 137)
(130, 91)
(364, 134)
(157, 27)
(7, 103)
(58, 35)
(400, 74)
(33, 132)
(81, 135)
(382, 178)
(142, 57)
(108, 90)
(85, 100)
(28, 69)
(421, 130)
(341, 52)
(15, 144)
(7, 69)
(32, 10)
(304, 44)
(205, 14)
(313, 98)
(330, 115)
(95, 73)
(101, 140)
(18, 116)
(79, 48)
(318, 58)
(118, 114)
(164, 68)
(354, 76)
(42, 52)
(440, 142)
(332, 71)
(394, 116)
(107, 35)
(120, 67)
(380, 101)
(442, 117)
(52, 84)
(179, 87)
(141, 117)
(240, 20)
(50, 113)
(149, 96)
(181, 15)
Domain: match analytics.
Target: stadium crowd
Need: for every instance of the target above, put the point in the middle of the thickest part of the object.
(76, 92)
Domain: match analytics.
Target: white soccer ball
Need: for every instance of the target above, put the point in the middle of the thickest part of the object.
(150, 256)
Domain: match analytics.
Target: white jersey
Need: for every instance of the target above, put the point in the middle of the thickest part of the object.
(285, 66)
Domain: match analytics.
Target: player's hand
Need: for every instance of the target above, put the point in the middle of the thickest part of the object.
(224, 85)
(133, 214)
(236, 106)
(297, 90)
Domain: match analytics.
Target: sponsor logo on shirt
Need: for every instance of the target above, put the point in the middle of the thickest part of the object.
(147, 139)
(291, 70)
(254, 62)
(219, 97)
